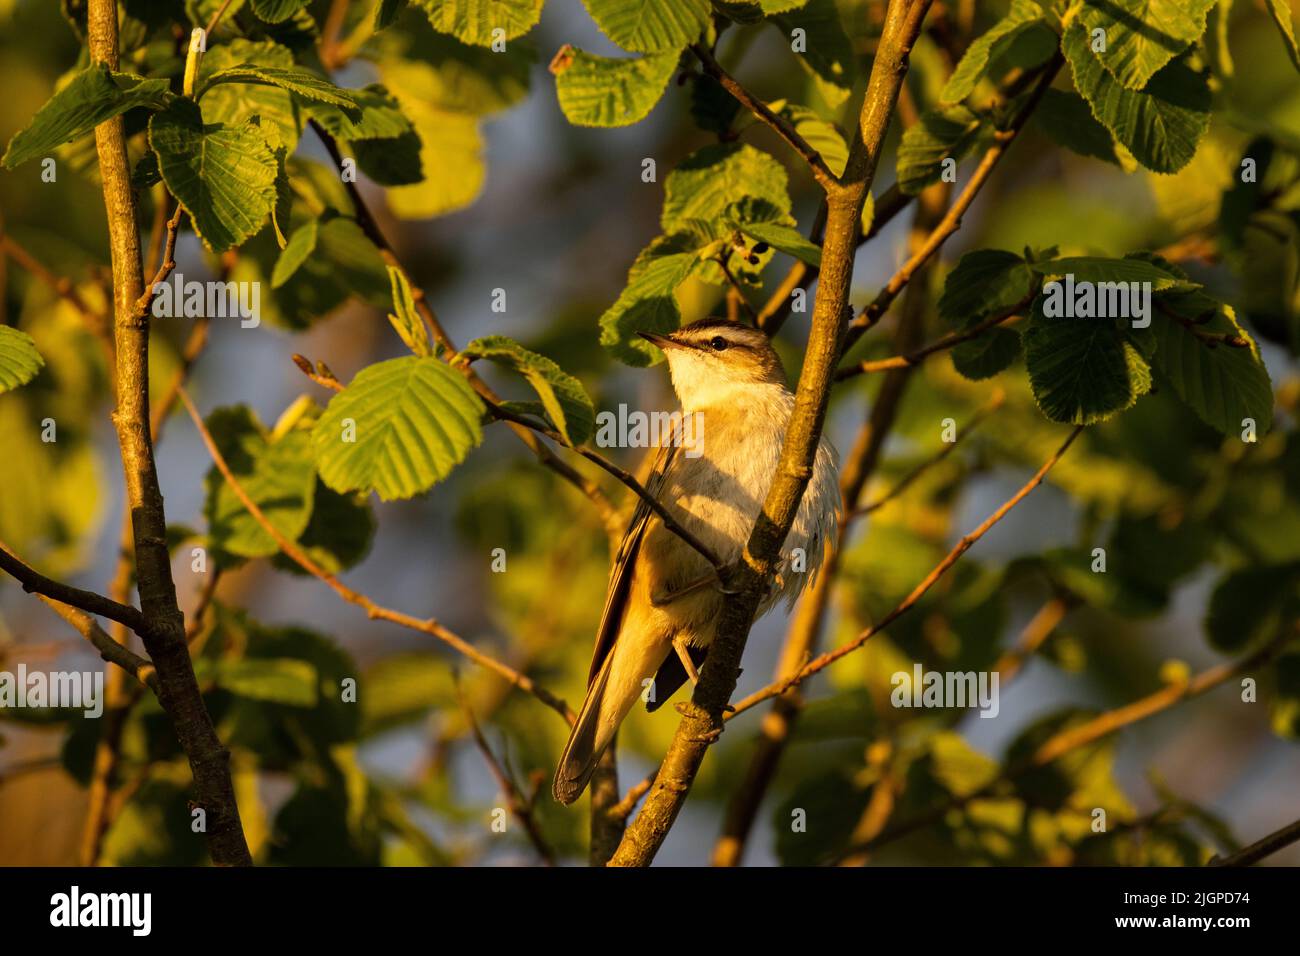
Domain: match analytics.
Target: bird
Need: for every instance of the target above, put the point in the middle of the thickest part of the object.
(663, 598)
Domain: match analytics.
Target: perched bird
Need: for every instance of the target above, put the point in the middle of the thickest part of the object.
(664, 598)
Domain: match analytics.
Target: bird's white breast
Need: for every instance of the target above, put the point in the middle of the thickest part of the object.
(718, 495)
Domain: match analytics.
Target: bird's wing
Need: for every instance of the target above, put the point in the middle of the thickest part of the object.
(620, 576)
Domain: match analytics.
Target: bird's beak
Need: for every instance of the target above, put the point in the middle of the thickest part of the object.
(663, 341)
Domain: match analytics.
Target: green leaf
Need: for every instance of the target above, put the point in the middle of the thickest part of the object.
(234, 104)
(987, 354)
(299, 82)
(1162, 124)
(949, 133)
(337, 537)
(831, 802)
(344, 265)
(1144, 35)
(403, 687)
(1067, 119)
(92, 96)
(278, 680)
(1082, 371)
(985, 281)
(301, 245)
(827, 52)
(151, 829)
(650, 26)
(381, 116)
(822, 135)
(473, 21)
(407, 321)
(566, 402)
(466, 79)
(709, 180)
(1222, 384)
(609, 91)
(399, 427)
(1281, 14)
(451, 147)
(1246, 607)
(387, 12)
(959, 767)
(277, 11)
(223, 176)
(987, 47)
(277, 475)
(1284, 709)
(19, 360)
(1081, 778)
(712, 108)
(648, 304)
(786, 238)
(1099, 269)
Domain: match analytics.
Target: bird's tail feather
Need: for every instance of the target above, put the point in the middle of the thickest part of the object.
(632, 661)
(582, 752)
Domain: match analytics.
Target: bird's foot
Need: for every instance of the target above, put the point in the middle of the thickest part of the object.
(684, 655)
(713, 579)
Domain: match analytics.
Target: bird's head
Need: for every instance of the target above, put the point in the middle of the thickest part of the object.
(713, 361)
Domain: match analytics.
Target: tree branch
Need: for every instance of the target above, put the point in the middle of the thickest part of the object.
(806, 627)
(164, 635)
(90, 601)
(702, 721)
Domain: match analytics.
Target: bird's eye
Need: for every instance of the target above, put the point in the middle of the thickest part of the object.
(719, 343)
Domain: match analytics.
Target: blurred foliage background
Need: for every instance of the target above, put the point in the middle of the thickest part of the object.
(1202, 532)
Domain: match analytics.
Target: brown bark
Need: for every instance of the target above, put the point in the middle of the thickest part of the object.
(163, 632)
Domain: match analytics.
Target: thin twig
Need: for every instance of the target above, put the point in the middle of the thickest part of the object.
(61, 285)
(623, 809)
(520, 808)
(1267, 846)
(783, 128)
(111, 651)
(329, 34)
(669, 522)
(737, 292)
(992, 405)
(216, 17)
(952, 221)
(300, 557)
(89, 601)
(1010, 314)
(167, 264)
